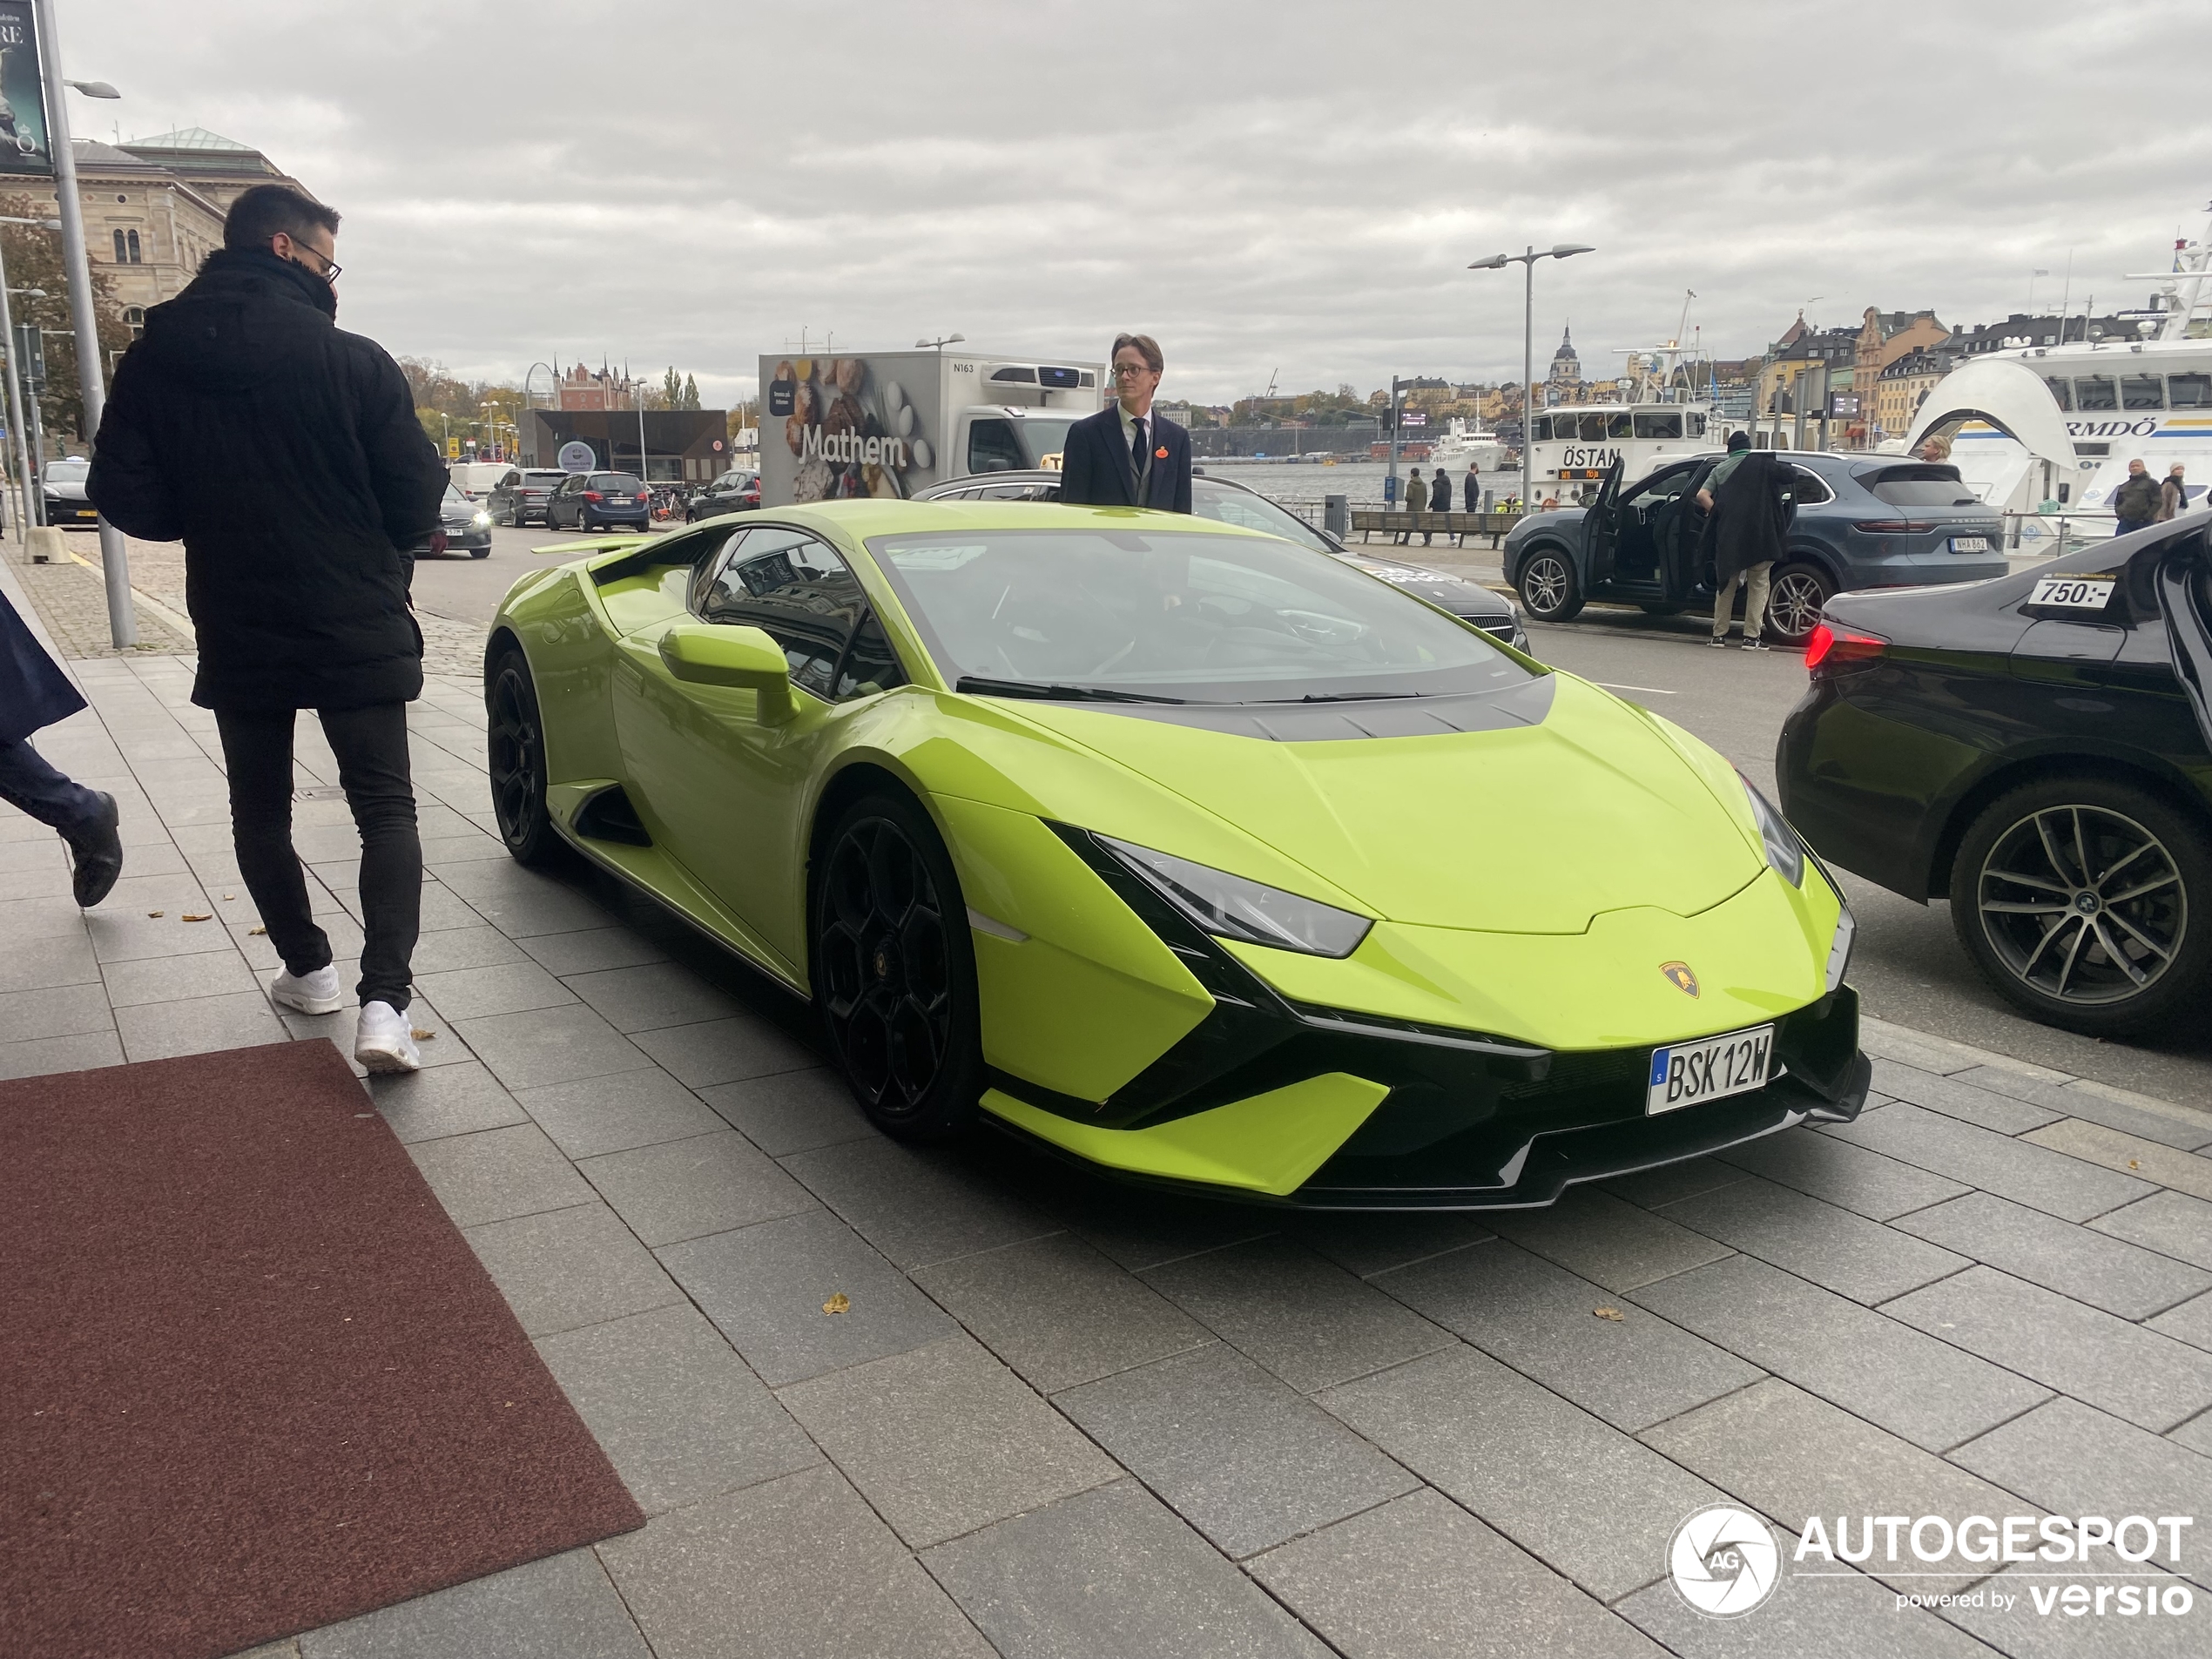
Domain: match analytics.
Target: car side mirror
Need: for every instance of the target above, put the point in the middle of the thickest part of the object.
(744, 658)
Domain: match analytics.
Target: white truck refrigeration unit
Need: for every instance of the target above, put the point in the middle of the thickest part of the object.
(888, 423)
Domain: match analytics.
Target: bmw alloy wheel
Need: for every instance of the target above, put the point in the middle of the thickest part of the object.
(2082, 905)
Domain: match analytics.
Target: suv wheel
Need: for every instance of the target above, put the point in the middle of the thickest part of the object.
(1548, 586)
(2088, 902)
(1794, 598)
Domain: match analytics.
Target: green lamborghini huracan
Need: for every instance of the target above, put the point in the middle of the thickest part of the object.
(1179, 849)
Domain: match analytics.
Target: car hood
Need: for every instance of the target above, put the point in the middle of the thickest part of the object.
(1558, 518)
(1529, 828)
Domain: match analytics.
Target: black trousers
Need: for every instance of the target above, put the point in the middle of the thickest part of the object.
(371, 747)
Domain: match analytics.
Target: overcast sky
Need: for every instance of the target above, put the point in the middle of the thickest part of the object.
(1273, 189)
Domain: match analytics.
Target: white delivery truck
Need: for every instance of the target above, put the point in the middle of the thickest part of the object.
(888, 423)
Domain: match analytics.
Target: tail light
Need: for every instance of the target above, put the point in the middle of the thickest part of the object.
(642, 496)
(1833, 649)
(593, 495)
(1892, 526)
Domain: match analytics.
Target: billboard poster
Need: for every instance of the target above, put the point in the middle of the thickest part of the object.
(23, 149)
(838, 428)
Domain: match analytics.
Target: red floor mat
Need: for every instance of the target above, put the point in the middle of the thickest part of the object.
(251, 1379)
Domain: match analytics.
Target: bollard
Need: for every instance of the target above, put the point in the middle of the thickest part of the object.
(1336, 516)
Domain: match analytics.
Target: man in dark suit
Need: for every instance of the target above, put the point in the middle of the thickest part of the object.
(1127, 457)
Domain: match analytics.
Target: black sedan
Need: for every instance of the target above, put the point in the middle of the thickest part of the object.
(736, 491)
(463, 527)
(2037, 750)
(62, 489)
(593, 500)
(1236, 504)
(522, 495)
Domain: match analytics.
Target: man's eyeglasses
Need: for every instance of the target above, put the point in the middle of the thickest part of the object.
(1131, 371)
(331, 269)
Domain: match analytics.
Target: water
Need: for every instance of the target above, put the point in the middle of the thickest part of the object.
(1362, 481)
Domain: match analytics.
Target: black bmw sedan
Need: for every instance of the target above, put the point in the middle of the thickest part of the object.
(2037, 750)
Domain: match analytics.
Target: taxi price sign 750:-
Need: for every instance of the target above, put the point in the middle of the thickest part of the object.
(2073, 592)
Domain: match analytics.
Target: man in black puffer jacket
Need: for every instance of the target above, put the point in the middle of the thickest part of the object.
(287, 456)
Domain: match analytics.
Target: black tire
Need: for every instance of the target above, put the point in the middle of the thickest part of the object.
(1796, 592)
(894, 970)
(514, 761)
(479, 552)
(2033, 893)
(1547, 585)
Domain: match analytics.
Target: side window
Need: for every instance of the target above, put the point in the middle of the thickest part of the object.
(1658, 423)
(1808, 488)
(1539, 429)
(992, 447)
(1661, 487)
(870, 665)
(800, 593)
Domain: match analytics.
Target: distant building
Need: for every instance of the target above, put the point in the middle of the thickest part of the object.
(1884, 337)
(1904, 384)
(1564, 381)
(154, 208)
(2019, 330)
(1800, 353)
(682, 446)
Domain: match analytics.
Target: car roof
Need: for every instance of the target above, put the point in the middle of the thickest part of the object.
(1048, 475)
(860, 519)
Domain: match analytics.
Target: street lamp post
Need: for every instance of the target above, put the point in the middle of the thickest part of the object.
(115, 559)
(1528, 261)
(948, 339)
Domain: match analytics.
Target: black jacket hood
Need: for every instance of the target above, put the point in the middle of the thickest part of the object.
(239, 320)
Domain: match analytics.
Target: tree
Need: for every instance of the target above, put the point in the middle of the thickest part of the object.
(690, 392)
(35, 261)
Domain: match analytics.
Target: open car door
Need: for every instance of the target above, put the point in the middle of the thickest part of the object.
(1601, 529)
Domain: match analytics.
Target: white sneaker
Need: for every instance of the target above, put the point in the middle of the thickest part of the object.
(386, 1039)
(315, 993)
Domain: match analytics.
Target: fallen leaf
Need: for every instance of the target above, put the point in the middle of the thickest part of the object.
(189, 916)
(420, 1035)
(838, 1304)
(1613, 1314)
(256, 932)
(157, 912)
(2135, 1163)
(228, 897)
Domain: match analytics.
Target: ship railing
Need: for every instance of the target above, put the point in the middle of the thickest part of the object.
(2054, 535)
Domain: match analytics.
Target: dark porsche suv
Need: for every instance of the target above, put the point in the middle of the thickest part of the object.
(1861, 521)
(2037, 750)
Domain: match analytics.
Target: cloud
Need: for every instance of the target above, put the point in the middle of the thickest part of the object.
(1272, 189)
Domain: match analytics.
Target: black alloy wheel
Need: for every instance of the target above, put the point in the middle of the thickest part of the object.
(1795, 592)
(894, 970)
(515, 760)
(1547, 585)
(2084, 901)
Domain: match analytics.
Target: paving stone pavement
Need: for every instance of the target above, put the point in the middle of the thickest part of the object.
(1063, 1417)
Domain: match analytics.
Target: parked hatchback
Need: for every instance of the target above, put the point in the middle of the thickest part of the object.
(1859, 521)
(521, 495)
(735, 491)
(594, 501)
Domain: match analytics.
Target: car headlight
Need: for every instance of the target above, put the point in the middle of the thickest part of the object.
(1785, 853)
(1229, 906)
(482, 521)
(1839, 952)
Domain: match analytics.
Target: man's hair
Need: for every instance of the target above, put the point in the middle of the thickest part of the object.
(266, 209)
(1147, 347)
(1739, 441)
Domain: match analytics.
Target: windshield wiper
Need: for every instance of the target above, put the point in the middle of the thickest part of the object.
(1353, 697)
(979, 685)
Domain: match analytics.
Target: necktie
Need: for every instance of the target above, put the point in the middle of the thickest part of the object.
(1136, 452)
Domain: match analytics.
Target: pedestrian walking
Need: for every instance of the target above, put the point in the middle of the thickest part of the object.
(285, 454)
(1416, 504)
(1470, 494)
(1440, 500)
(2134, 504)
(1748, 513)
(34, 694)
(2173, 494)
(1128, 456)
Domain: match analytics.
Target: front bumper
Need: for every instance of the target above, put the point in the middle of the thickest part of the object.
(65, 513)
(1272, 1100)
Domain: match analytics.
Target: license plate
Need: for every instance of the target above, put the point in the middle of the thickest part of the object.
(1970, 544)
(87, 512)
(1690, 1074)
(2073, 592)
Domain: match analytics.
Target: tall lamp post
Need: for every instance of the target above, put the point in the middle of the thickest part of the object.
(1528, 261)
(115, 559)
(30, 511)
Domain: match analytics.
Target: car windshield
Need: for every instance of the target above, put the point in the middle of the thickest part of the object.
(71, 471)
(1234, 506)
(620, 482)
(544, 477)
(1192, 617)
(1041, 439)
(1929, 486)
(455, 496)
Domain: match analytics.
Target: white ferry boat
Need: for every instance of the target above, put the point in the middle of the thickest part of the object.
(1571, 447)
(2033, 424)
(1460, 447)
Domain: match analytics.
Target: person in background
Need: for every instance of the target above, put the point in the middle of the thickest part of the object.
(285, 454)
(1440, 500)
(1126, 455)
(1739, 445)
(1935, 450)
(2173, 494)
(2134, 504)
(1748, 507)
(35, 694)
(1470, 494)
(1416, 503)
